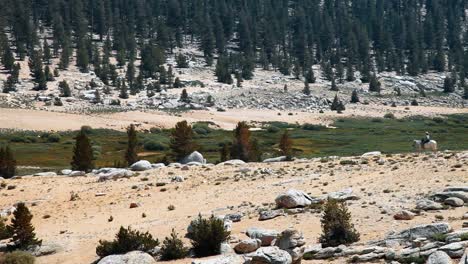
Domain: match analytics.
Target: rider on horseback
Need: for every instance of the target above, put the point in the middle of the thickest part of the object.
(426, 139)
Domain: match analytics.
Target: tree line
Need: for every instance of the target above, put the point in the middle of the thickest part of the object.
(344, 37)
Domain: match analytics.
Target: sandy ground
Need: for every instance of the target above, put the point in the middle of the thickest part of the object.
(79, 225)
(46, 120)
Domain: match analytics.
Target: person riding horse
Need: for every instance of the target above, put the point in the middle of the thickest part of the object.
(426, 139)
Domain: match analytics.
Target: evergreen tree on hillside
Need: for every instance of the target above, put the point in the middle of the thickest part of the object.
(83, 158)
(241, 145)
(131, 155)
(285, 145)
(7, 163)
(22, 228)
(182, 143)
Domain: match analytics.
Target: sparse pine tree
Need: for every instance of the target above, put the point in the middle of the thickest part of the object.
(374, 84)
(7, 163)
(310, 76)
(64, 89)
(22, 228)
(182, 140)
(285, 145)
(354, 97)
(306, 90)
(337, 228)
(131, 155)
(181, 61)
(224, 152)
(334, 87)
(83, 158)
(241, 146)
(173, 248)
(123, 91)
(449, 87)
(184, 97)
(178, 83)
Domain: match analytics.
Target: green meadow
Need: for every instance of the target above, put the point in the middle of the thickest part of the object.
(349, 136)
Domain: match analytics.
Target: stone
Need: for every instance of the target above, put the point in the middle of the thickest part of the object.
(134, 205)
(326, 253)
(439, 257)
(455, 202)
(66, 172)
(77, 174)
(225, 249)
(232, 162)
(464, 258)
(112, 173)
(271, 255)
(290, 238)
(427, 205)
(266, 236)
(45, 174)
(141, 165)
(421, 231)
(134, 257)
(45, 249)
(456, 235)
(270, 214)
(236, 217)
(441, 196)
(194, 157)
(227, 259)
(372, 154)
(248, 246)
(177, 179)
(404, 215)
(455, 250)
(293, 198)
(277, 159)
(344, 195)
(158, 165)
(457, 188)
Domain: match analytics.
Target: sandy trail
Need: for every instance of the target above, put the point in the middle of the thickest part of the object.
(78, 225)
(56, 121)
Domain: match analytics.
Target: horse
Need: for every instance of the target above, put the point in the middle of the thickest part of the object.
(419, 147)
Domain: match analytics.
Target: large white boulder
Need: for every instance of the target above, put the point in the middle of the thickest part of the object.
(112, 173)
(232, 162)
(293, 198)
(271, 255)
(141, 165)
(134, 257)
(266, 236)
(194, 157)
(439, 257)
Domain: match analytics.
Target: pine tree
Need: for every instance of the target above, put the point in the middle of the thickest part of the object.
(241, 145)
(334, 87)
(449, 87)
(178, 83)
(83, 158)
(310, 76)
(47, 55)
(222, 72)
(354, 97)
(285, 145)
(255, 153)
(337, 228)
(306, 89)
(123, 91)
(350, 72)
(22, 229)
(64, 89)
(131, 155)
(7, 163)
(184, 97)
(374, 84)
(9, 85)
(224, 152)
(465, 92)
(182, 140)
(181, 61)
(97, 97)
(337, 105)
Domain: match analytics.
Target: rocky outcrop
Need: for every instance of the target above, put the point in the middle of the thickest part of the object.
(135, 257)
(293, 199)
(225, 259)
(292, 241)
(277, 159)
(271, 255)
(248, 246)
(427, 205)
(112, 173)
(404, 215)
(421, 231)
(232, 162)
(266, 236)
(439, 257)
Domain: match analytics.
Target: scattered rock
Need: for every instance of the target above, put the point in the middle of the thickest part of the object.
(427, 205)
(134, 257)
(453, 201)
(293, 198)
(404, 215)
(421, 231)
(229, 259)
(232, 163)
(372, 154)
(270, 214)
(248, 246)
(266, 236)
(277, 159)
(77, 174)
(439, 257)
(141, 165)
(271, 255)
(65, 172)
(194, 157)
(45, 174)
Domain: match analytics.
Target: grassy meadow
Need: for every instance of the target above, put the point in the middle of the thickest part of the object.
(350, 136)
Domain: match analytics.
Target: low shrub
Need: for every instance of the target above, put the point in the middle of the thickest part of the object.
(152, 145)
(17, 257)
(337, 228)
(173, 248)
(348, 162)
(273, 129)
(439, 237)
(54, 138)
(207, 235)
(389, 116)
(4, 232)
(311, 127)
(125, 241)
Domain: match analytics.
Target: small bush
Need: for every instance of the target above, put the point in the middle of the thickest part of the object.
(152, 145)
(348, 162)
(337, 228)
(17, 257)
(207, 235)
(125, 241)
(19, 139)
(273, 129)
(54, 138)
(311, 127)
(439, 237)
(389, 116)
(4, 233)
(173, 248)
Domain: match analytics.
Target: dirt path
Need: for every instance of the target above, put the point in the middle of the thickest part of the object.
(56, 121)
